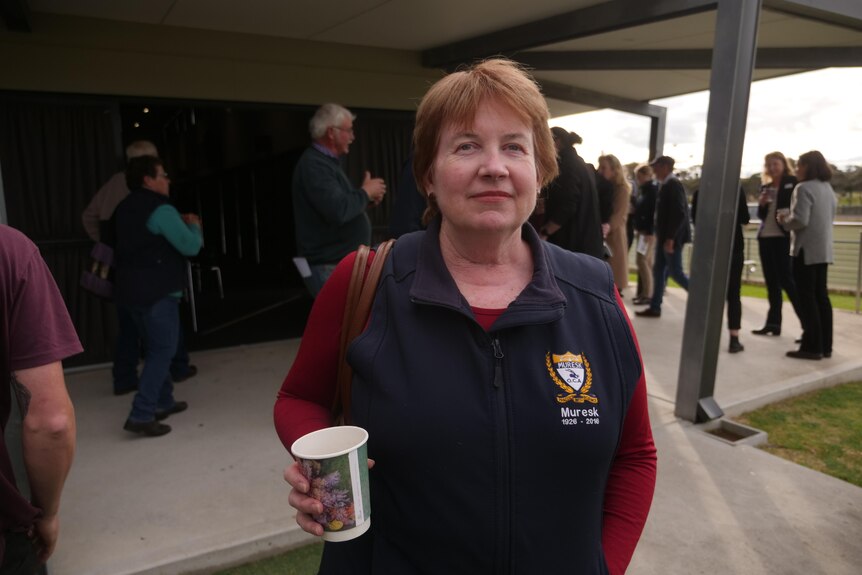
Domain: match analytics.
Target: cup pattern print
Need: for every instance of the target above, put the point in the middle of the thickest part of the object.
(336, 484)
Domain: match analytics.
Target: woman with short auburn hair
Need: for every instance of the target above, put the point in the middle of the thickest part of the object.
(492, 363)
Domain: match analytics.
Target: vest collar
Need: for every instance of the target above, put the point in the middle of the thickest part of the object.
(434, 284)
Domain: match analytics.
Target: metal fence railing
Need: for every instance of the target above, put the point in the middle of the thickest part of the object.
(845, 274)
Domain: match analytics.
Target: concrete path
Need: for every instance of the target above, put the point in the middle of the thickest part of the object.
(210, 493)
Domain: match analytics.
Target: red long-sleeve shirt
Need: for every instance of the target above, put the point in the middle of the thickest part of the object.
(306, 395)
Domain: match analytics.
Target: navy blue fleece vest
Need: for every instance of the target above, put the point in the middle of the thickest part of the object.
(492, 449)
(148, 267)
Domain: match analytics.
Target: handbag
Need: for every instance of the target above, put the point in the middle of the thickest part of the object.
(98, 279)
(360, 296)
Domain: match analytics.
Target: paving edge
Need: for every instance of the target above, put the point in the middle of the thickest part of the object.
(842, 373)
(230, 554)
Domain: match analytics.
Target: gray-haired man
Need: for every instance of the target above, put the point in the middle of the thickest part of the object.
(329, 211)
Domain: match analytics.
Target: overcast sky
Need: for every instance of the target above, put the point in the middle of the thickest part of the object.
(818, 110)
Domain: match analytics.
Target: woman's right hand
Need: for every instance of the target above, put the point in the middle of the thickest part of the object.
(306, 507)
(764, 198)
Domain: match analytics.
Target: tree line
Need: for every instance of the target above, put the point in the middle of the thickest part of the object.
(847, 183)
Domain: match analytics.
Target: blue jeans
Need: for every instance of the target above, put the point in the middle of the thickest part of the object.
(159, 326)
(666, 265)
(319, 274)
(127, 353)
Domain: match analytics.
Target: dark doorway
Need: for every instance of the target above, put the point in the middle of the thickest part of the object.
(232, 164)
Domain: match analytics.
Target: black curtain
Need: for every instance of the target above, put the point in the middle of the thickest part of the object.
(54, 155)
(57, 151)
(382, 145)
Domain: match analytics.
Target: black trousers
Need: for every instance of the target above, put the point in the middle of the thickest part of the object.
(19, 557)
(814, 304)
(778, 272)
(734, 286)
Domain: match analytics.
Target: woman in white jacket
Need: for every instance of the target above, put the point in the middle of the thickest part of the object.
(810, 218)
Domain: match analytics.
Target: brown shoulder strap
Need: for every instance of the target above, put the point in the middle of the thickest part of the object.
(360, 297)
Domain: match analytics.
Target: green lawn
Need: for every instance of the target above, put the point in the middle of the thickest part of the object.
(839, 301)
(821, 430)
(301, 561)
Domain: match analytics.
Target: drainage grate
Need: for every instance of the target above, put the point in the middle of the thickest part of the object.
(735, 433)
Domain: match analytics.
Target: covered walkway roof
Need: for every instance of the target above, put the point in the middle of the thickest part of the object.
(588, 54)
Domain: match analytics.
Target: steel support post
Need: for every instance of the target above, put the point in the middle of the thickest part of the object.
(729, 87)
(656, 134)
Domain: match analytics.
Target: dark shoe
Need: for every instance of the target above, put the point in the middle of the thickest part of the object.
(735, 347)
(148, 428)
(125, 390)
(827, 354)
(648, 312)
(179, 406)
(799, 354)
(193, 371)
(767, 330)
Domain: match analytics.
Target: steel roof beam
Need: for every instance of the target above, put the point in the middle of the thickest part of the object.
(580, 23)
(567, 93)
(775, 58)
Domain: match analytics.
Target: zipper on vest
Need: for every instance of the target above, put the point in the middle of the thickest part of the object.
(504, 487)
(498, 363)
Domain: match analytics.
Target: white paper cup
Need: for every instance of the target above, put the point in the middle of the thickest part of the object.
(335, 462)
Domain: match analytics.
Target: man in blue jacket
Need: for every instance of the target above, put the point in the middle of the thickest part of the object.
(672, 230)
(329, 211)
(153, 242)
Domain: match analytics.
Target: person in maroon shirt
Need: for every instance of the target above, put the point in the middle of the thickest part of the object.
(35, 335)
(498, 375)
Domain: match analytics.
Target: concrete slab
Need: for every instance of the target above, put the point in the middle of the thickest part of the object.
(210, 493)
(759, 375)
(737, 509)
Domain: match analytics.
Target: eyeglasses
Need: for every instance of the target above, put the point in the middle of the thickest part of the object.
(163, 175)
(348, 130)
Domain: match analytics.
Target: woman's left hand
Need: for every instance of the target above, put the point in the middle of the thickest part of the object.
(306, 507)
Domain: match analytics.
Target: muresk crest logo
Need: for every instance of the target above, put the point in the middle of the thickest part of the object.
(572, 374)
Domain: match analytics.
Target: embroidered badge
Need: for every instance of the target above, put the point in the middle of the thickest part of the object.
(572, 374)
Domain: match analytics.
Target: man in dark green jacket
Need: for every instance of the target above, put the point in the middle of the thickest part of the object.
(329, 211)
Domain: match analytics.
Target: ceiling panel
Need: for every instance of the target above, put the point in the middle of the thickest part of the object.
(398, 24)
(144, 11)
(301, 19)
(559, 108)
(697, 31)
(782, 31)
(694, 31)
(418, 25)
